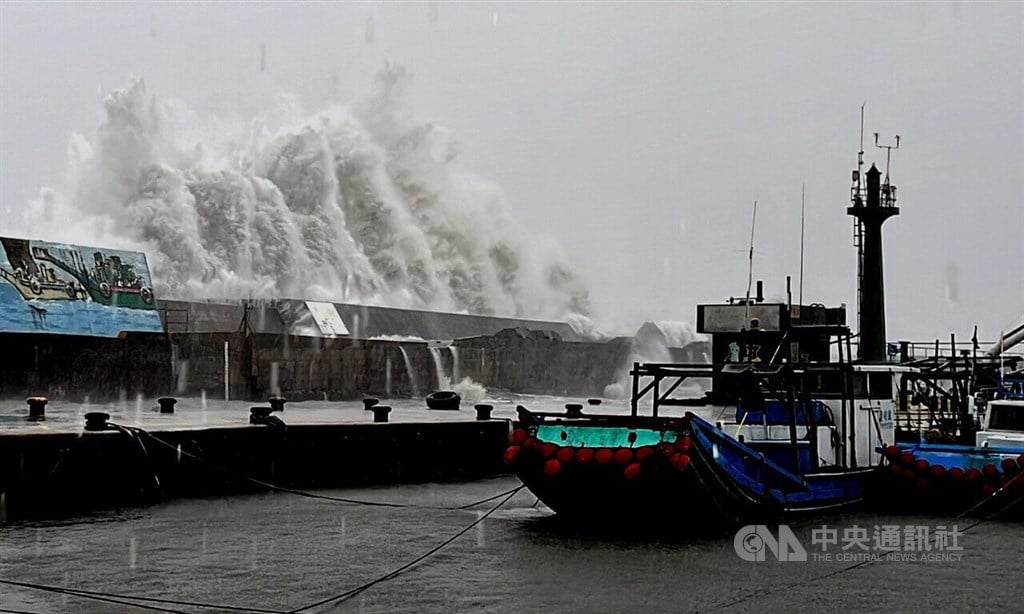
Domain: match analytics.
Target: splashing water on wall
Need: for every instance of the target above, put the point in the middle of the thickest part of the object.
(357, 204)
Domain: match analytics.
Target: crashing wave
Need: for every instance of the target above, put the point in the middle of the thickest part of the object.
(355, 204)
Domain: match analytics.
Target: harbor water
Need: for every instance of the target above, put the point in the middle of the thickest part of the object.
(279, 552)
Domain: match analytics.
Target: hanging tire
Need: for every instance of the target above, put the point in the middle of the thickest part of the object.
(105, 290)
(147, 296)
(71, 291)
(37, 288)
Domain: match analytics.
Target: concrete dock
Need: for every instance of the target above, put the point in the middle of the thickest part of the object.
(55, 467)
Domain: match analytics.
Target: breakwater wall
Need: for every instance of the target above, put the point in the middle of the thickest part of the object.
(57, 473)
(299, 368)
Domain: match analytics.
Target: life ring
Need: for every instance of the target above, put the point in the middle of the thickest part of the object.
(443, 399)
(71, 290)
(105, 290)
(36, 287)
(147, 296)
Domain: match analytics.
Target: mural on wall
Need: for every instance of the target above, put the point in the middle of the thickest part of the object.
(76, 290)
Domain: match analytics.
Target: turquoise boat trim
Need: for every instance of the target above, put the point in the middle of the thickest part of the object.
(577, 436)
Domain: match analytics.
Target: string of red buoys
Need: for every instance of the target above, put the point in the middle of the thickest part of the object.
(632, 459)
(905, 467)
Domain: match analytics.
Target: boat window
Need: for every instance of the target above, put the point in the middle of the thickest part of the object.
(1006, 417)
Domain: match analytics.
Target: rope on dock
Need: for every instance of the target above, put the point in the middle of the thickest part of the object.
(302, 493)
(341, 597)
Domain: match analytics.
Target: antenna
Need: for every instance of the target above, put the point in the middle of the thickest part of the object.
(888, 153)
(750, 268)
(801, 299)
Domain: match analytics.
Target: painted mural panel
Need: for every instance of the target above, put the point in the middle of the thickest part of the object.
(74, 290)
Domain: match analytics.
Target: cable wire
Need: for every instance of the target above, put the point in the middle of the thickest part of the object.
(393, 574)
(78, 592)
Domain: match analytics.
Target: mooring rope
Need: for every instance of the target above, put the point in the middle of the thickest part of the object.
(341, 597)
(128, 599)
(303, 493)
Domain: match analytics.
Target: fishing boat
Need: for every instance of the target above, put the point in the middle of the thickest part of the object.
(794, 422)
(939, 474)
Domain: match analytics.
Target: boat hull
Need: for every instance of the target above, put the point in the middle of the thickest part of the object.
(671, 473)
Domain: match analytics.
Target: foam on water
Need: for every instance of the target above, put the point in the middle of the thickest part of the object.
(361, 203)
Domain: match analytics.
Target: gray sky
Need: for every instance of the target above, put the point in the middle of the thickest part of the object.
(637, 135)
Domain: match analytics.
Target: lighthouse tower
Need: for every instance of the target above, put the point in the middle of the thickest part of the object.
(871, 207)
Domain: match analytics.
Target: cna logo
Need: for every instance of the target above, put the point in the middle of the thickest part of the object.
(752, 541)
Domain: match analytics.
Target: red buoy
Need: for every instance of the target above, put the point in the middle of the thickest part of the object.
(604, 456)
(684, 443)
(552, 467)
(989, 470)
(643, 453)
(518, 436)
(530, 442)
(510, 454)
(623, 455)
(989, 489)
(680, 462)
(1010, 466)
(922, 465)
(937, 471)
(956, 473)
(632, 471)
(548, 449)
(891, 452)
(896, 470)
(565, 455)
(1020, 460)
(666, 448)
(972, 475)
(907, 458)
(585, 455)
(909, 475)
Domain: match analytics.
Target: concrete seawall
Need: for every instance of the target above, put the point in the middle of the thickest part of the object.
(298, 368)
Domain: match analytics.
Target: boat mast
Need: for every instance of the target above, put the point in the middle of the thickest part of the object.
(801, 300)
(750, 267)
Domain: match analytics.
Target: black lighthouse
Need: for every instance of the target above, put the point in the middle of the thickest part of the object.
(880, 205)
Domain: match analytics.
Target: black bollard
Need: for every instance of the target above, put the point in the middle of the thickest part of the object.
(368, 403)
(167, 404)
(573, 410)
(96, 421)
(593, 401)
(523, 414)
(36, 408)
(483, 411)
(276, 403)
(259, 415)
(380, 413)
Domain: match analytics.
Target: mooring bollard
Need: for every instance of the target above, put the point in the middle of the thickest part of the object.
(380, 413)
(368, 403)
(167, 404)
(259, 415)
(276, 403)
(573, 410)
(522, 413)
(593, 401)
(36, 408)
(96, 421)
(483, 411)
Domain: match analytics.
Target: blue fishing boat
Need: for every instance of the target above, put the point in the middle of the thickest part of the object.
(794, 422)
(984, 477)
